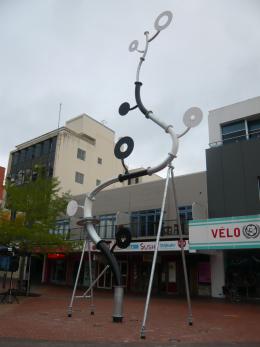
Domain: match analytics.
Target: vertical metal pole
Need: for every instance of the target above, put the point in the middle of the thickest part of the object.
(28, 284)
(77, 278)
(154, 257)
(92, 307)
(190, 319)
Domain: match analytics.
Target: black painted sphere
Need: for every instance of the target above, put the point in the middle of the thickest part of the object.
(123, 237)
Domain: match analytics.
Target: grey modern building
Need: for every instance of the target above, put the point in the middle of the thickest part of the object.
(232, 233)
(233, 165)
(138, 208)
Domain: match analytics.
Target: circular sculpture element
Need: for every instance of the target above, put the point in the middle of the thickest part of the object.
(123, 237)
(160, 27)
(192, 117)
(122, 154)
(72, 208)
(133, 46)
(124, 109)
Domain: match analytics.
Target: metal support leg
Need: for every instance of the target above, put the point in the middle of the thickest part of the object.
(96, 280)
(154, 257)
(77, 278)
(190, 319)
(92, 307)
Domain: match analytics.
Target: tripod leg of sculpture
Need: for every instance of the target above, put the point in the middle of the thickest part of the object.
(92, 307)
(77, 279)
(154, 257)
(190, 319)
(96, 280)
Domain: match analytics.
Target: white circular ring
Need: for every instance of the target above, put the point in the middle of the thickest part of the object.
(72, 208)
(167, 14)
(133, 46)
(192, 117)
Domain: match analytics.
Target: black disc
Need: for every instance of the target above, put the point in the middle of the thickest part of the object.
(129, 142)
(123, 237)
(124, 108)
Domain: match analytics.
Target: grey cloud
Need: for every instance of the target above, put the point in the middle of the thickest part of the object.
(77, 53)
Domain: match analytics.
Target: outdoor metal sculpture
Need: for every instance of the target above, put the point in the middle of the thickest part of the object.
(192, 117)
(123, 149)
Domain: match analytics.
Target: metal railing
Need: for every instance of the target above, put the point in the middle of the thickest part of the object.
(251, 135)
(138, 231)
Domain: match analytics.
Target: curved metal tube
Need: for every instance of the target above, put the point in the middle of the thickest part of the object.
(143, 56)
(100, 244)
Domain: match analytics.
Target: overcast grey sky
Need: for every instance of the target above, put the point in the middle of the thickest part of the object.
(76, 52)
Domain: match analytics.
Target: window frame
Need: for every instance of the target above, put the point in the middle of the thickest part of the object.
(77, 175)
(141, 222)
(81, 154)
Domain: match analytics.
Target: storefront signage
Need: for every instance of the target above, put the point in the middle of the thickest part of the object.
(150, 246)
(225, 233)
(56, 256)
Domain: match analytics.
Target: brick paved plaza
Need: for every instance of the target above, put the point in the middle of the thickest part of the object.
(45, 318)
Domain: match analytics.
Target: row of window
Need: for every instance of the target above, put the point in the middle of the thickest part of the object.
(240, 130)
(143, 223)
(35, 151)
(81, 154)
(79, 178)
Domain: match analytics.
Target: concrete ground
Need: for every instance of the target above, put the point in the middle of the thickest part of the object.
(42, 321)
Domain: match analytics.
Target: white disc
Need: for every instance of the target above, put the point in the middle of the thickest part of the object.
(72, 208)
(192, 117)
(166, 15)
(133, 46)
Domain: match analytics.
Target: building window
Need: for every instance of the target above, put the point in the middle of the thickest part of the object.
(145, 223)
(81, 154)
(99, 160)
(22, 156)
(106, 227)
(79, 177)
(241, 130)
(98, 182)
(46, 147)
(234, 132)
(254, 128)
(16, 158)
(185, 213)
(258, 186)
(38, 150)
(62, 228)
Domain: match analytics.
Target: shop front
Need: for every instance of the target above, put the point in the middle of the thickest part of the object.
(135, 264)
(168, 277)
(233, 245)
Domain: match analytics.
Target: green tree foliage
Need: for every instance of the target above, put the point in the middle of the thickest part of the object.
(37, 205)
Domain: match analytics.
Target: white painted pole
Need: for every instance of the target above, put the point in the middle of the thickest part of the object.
(154, 257)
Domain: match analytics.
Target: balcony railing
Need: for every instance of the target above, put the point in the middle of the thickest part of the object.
(138, 231)
(254, 134)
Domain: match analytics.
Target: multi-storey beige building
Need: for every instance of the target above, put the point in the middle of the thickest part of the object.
(81, 155)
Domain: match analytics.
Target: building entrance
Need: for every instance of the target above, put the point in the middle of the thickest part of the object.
(243, 273)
